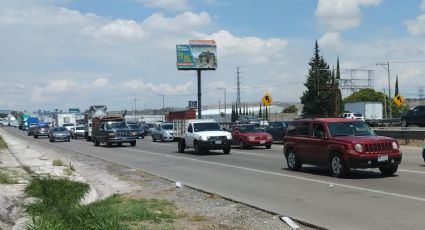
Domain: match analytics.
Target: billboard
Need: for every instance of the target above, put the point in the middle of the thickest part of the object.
(198, 55)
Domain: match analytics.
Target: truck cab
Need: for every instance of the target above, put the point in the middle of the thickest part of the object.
(112, 130)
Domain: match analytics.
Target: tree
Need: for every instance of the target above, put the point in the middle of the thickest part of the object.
(260, 112)
(290, 109)
(317, 99)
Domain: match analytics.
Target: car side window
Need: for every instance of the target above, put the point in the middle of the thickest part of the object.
(292, 129)
(318, 131)
(303, 128)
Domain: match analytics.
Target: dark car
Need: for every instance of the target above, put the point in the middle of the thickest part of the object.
(140, 132)
(340, 144)
(59, 134)
(42, 130)
(247, 135)
(31, 129)
(415, 116)
(277, 129)
(147, 128)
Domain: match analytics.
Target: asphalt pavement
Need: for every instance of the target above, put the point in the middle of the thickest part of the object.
(259, 177)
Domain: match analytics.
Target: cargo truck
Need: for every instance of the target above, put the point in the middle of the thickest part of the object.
(94, 111)
(112, 129)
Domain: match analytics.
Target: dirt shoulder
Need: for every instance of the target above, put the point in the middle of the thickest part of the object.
(196, 209)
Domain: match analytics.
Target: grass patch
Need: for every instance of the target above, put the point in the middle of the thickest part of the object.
(58, 162)
(3, 144)
(198, 218)
(6, 179)
(58, 207)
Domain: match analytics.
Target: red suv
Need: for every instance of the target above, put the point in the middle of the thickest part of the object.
(340, 144)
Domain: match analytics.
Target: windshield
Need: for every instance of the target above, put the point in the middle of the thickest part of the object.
(249, 129)
(210, 126)
(59, 129)
(350, 129)
(116, 125)
(167, 126)
(134, 126)
(64, 125)
(80, 128)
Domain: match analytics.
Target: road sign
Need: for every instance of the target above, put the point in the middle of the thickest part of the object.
(398, 100)
(193, 104)
(267, 99)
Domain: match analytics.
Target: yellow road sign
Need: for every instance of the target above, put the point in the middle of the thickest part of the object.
(267, 99)
(398, 100)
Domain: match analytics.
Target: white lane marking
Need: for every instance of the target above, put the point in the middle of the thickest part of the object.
(411, 171)
(287, 175)
(253, 154)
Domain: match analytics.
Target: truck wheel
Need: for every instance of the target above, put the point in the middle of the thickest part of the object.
(109, 144)
(181, 146)
(404, 123)
(293, 161)
(388, 170)
(119, 144)
(338, 167)
(197, 148)
(96, 142)
(153, 138)
(133, 143)
(226, 150)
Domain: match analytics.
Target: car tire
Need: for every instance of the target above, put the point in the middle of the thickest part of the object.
(51, 140)
(423, 154)
(69, 140)
(242, 144)
(226, 150)
(133, 143)
(268, 146)
(108, 144)
(153, 138)
(388, 170)
(119, 144)
(338, 167)
(181, 146)
(292, 160)
(35, 136)
(404, 123)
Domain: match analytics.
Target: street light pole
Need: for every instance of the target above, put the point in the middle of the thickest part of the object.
(386, 65)
(135, 116)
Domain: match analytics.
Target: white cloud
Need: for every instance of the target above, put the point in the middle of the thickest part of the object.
(184, 21)
(331, 40)
(161, 88)
(173, 5)
(126, 29)
(337, 15)
(423, 5)
(57, 86)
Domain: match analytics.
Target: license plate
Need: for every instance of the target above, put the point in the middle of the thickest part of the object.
(218, 142)
(382, 158)
(262, 142)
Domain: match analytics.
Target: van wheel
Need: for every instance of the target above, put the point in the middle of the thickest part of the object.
(338, 167)
(388, 170)
(181, 146)
(404, 123)
(293, 161)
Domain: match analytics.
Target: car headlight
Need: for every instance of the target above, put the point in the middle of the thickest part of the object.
(395, 145)
(251, 138)
(203, 138)
(358, 148)
(111, 134)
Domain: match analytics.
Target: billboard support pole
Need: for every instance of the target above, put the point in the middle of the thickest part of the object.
(199, 94)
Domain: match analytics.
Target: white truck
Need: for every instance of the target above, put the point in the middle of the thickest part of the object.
(64, 118)
(202, 135)
(372, 111)
(94, 111)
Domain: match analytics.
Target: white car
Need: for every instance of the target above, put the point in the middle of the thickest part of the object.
(357, 116)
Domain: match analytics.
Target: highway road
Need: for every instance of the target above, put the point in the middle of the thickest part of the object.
(259, 177)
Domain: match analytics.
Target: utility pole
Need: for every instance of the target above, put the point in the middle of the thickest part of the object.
(386, 65)
(238, 96)
(135, 116)
(385, 106)
(163, 108)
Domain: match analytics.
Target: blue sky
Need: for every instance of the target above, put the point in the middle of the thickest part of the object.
(75, 53)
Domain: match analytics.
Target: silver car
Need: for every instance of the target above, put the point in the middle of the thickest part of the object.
(59, 134)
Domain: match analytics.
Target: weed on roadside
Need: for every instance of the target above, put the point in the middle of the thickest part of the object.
(58, 162)
(57, 207)
(71, 167)
(3, 144)
(6, 179)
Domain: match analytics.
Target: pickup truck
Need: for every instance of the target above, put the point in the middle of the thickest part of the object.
(201, 135)
(112, 130)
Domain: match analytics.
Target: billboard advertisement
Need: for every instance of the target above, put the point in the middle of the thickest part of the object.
(197, 55)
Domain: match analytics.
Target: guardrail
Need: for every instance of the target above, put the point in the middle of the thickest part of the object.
(412, 133)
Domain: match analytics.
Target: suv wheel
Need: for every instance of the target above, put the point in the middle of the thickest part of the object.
(293, 161)
(404, 123)
(338, 166)
(181, 146)
(388, 170)
(242, 144)
(197, 148)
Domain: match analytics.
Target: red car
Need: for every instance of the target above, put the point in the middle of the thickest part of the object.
(340, 144)
(250, 135)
